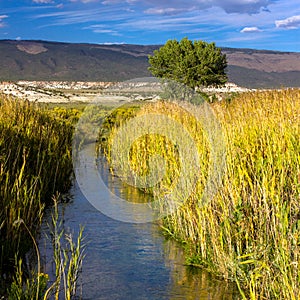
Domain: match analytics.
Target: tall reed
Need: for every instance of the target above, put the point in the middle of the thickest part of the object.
(68, 257)
(249, 231)
(35, 162)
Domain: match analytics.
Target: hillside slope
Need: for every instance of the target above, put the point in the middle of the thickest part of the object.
(40, 60)
(258, 68)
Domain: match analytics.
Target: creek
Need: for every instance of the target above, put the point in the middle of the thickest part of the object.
(129, 260)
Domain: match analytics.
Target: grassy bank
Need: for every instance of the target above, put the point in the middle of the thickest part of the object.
(35, 163)
(249, 231)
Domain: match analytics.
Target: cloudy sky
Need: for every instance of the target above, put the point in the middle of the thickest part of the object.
(260, 24)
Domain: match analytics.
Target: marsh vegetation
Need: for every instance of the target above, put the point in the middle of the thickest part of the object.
(35, 165)
(249, 230)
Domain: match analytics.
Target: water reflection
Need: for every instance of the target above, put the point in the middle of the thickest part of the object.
(131, 261)
(120, 188)
(191, 282)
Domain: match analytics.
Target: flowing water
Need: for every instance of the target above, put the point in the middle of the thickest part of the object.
(130, 261)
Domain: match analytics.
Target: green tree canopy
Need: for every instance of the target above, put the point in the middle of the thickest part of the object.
(193, 63)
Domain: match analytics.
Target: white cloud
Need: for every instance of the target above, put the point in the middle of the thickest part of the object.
(2, 24)
(42, 1)
(65, 17)
(108, 2)
(289, 23)
(3, 17)
(106, 31)
(243, 6)
(167, 7)
(88, 1)
(105, 2)
(210, 20)
(100, 28)
(164, 11)
(111, 2)
(229, 6)
(250, 30)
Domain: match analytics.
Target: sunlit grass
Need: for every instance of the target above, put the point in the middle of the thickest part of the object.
(249, 231)
(35, 163)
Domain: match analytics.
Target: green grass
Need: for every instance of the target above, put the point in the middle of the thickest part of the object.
(35, 163)
(249, 231)
(67, 256)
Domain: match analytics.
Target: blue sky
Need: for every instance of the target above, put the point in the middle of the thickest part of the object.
(259, 24)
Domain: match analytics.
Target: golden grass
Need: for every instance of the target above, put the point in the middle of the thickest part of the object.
(249, 231)
(35, 163)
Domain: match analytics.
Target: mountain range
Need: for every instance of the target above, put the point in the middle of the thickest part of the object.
(49, 61)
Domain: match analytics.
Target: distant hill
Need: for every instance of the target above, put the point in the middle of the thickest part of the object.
(41, 60)
(262, 68)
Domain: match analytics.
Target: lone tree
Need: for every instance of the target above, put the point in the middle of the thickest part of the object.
(191, 63)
